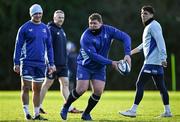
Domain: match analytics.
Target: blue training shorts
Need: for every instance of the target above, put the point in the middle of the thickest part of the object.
(33, 73)
(86, 74)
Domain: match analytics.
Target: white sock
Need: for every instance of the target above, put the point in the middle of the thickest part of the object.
(26, 109)
(134, 107)
(40, 105)
(70, 108)
(167, 108)
(36, 111)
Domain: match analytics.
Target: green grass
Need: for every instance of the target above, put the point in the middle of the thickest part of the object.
(106, 110)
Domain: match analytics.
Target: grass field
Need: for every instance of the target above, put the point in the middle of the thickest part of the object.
(105, 111)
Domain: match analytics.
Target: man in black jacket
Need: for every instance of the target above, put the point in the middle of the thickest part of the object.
(60, 60)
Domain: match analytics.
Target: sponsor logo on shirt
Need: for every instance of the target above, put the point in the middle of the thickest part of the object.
(44, 30)
(105, 36)
(30, 30)
(94, 40)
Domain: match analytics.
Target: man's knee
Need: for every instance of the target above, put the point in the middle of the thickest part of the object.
(81, 90)
(98, 92)
(64, 82)
(47, 84)
(36, 87)
(26, 88)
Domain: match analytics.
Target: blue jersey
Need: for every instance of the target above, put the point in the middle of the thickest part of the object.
(94, 48)
(32, 42)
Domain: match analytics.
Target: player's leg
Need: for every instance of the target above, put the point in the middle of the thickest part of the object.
(36, 88)
(26, 81)
(45, 86)
(141, 81)
(83, 77)
(159, 81)
(64, 87)
(62, 74)
(82, 86)
(25, 87)
(97, 84)
(98, 88)
(39, 76)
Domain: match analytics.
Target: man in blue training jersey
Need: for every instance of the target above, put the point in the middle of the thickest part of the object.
(59, 41)
(154, 49)
(92, 60)
(32, 42)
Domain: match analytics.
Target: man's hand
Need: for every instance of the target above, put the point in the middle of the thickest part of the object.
(51, 69)
(16, 69)
(128, 59)
(164, 63)
(114, 64)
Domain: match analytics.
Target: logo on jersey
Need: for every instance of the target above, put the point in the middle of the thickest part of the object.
(64, 34)
(94, 40)
(58, 33)
(84, 56)
(44, 30)
(30, 30)
(105, 36)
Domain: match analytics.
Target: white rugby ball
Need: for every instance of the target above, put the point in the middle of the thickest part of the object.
(123, 67)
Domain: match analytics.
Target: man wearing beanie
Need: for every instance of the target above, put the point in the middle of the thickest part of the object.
(32, 42)
(154, 49)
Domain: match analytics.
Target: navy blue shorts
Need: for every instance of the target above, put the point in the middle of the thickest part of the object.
(33, 73)
(153, 69)
(61, 71)
(86, 74)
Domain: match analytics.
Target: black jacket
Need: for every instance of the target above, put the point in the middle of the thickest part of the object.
(59, 41)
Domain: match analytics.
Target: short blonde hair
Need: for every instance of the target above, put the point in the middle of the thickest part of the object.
(59, 11)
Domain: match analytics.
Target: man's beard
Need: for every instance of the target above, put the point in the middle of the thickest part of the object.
(96, 31)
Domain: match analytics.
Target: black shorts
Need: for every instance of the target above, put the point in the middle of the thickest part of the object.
(61, 71)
